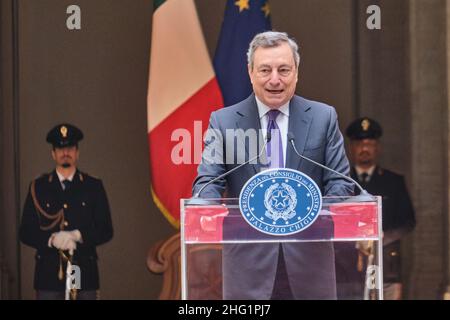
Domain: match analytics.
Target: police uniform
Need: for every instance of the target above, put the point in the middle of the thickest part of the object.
(397, 213)
(82, 205)
(398, 216)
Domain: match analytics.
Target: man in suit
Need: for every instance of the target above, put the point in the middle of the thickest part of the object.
(66, 215)
(398, 212)
(292, 270)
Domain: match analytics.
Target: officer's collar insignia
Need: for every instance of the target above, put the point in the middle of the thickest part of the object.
(365, 124)
(81, 177)
(50, 178)
(63, 131)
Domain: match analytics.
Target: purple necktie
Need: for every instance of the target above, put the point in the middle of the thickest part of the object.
(276, 158)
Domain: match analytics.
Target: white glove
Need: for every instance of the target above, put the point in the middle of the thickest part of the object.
(65, 240)
(71, 246)
(76, 235)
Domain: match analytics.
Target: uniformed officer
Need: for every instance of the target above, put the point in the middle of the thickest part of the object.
(398, 213)
(66, 215)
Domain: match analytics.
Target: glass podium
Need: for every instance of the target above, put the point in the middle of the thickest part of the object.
(339, 256)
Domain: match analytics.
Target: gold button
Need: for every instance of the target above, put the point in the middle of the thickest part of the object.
(66, 223)
(83, 203)
(65, 206)
(48, 205)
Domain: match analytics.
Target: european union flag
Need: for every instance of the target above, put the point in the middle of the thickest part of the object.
(242, 21)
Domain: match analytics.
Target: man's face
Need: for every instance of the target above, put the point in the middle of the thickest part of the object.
(364, 152)
(274, 75)
(66, 157)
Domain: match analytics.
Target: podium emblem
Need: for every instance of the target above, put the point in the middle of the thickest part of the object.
(280, 201)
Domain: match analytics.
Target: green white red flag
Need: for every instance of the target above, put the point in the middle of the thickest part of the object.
(182, 90)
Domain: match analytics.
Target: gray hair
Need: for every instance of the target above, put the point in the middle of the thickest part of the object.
(271, 39)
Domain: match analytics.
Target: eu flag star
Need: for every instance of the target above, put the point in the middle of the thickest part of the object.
(266, 9)
(242, 4)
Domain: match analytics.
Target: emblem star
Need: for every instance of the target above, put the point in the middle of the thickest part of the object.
(266, 9)
(242, 4)
(280, 200)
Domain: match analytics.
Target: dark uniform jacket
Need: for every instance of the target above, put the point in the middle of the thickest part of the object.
(398, 216)
(83, 206)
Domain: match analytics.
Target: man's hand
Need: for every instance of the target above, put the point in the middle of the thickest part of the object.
(65, 240)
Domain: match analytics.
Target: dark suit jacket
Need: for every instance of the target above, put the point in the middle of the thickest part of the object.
(86, 208)
(249, 269)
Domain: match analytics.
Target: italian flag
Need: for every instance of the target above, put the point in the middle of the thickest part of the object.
(182, 91)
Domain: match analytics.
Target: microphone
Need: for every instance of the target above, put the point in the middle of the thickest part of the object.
(364, 195)
(223, 175)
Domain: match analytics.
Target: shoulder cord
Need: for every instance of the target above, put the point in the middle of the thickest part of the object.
(58, 217)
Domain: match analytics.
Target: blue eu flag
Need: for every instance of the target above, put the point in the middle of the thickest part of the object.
(242, 21)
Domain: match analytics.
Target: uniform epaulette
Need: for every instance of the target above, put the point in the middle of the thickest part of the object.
(83, 176)
(43, 176)
(90, 175)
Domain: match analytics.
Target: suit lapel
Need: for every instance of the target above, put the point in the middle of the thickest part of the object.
(75, 187)
(248, 118)
(56, 187)
(299, 123)
(372, 185)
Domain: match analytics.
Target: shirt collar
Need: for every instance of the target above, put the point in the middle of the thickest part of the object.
(263, 109)
(360, 171)
(61, 177)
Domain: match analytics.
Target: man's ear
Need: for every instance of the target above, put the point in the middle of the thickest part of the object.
(53, 154)
(249, 69)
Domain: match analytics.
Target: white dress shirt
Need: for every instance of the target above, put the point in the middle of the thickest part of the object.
(360, 171)
(61, 178)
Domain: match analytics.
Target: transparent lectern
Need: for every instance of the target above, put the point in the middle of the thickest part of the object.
(212, 229)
